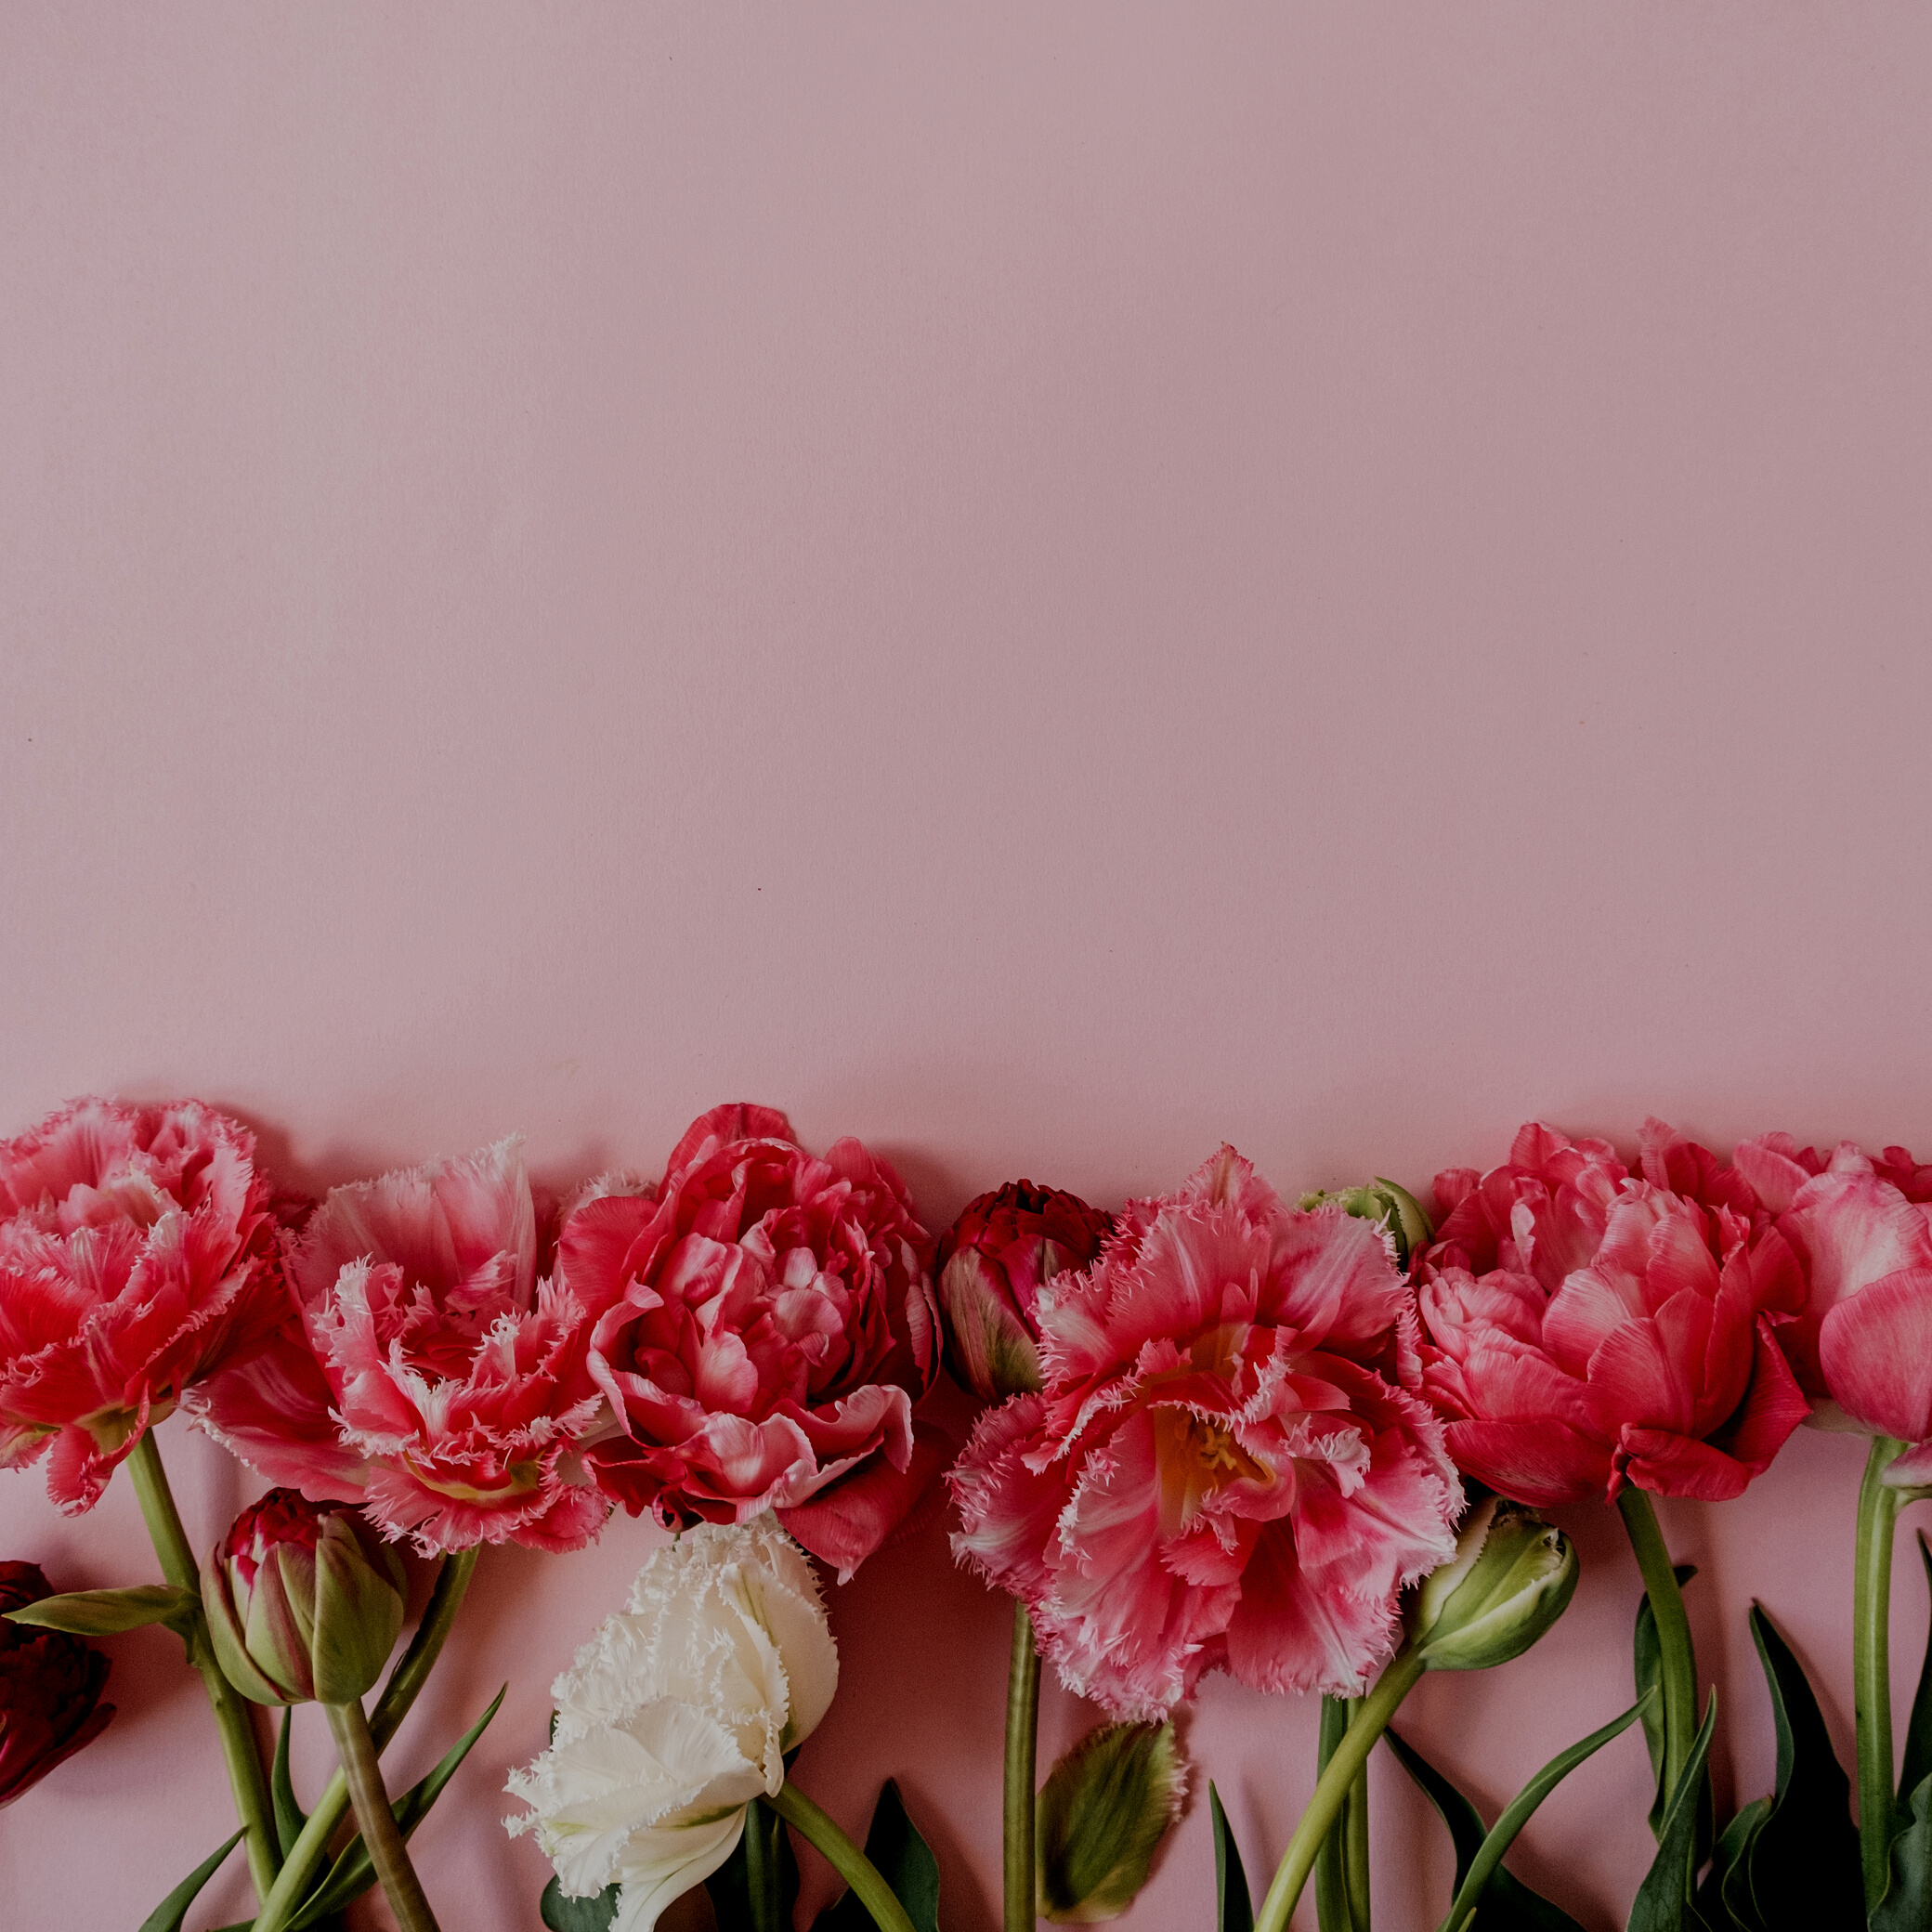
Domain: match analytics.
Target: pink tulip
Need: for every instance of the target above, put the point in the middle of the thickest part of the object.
(1586, 1326)
(138, 1256)
(1214, 1475)
(766, 1325)
(434, 1375)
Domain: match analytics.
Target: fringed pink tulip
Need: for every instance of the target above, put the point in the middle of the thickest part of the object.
(435, 1376)
(767, 1325)
(1214, 1476)
(138, 1256)
(1586, 1326)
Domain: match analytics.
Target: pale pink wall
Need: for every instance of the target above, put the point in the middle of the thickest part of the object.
(1044, 585)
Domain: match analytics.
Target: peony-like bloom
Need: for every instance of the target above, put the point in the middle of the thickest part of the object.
(991, 1264)
(677, 1714)
(1861, 1230)
(303, 1602)
(138, 1256)
(1586, 1326)
(766, 1323)
(431, 1374)
(50, 1686)
(1214, 1475)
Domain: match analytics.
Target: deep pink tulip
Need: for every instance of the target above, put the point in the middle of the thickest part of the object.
(50, 1686)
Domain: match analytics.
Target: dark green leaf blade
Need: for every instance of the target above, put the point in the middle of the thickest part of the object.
(906, 1862)
(1803, 1860)
(1724, 1898)
(169, 1915)
(565, 1914)
(1234, 1905)
(1663, 1902)
(756, 1888)
(1917, 1766)
(1907, 1904)
(289, 1815)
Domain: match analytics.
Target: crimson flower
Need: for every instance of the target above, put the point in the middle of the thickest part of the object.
(50, 1686)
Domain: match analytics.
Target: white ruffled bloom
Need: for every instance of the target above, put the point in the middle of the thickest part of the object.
(677, 1714)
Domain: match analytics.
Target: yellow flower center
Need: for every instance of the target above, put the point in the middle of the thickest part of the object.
(1196, 1458)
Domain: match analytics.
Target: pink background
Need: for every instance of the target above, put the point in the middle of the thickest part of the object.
(1044, 586)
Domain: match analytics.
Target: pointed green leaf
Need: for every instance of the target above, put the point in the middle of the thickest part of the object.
(903, 1859)
(169, 1915)
(1724, 1898)
(1662, 1901)
(108, 1613)
(1803, 1860)
(289, 1815)
(1907, 1904)
(1508, 1905)
(1233, 1906)
(1917, 1766)
(565, 1914)
(352, 1873)
(1470, 1895)
(1101, 1814)
(1649, 1658)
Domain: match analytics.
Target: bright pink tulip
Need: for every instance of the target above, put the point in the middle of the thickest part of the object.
(1861, 1230)
(138, 1256)
(766, 1325)
(435, 1376)
(1622, 1328)
(1214, 1476)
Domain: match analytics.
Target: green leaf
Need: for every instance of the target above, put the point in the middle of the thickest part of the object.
(1508, 1904)
(1332, 1912)
(289, 1815)
(1101, 1814)
(1649, 1658)
(903, 1859)
(563, 1914)
(1234, 1906)
(352, 1873)
(108, 1613)
(1907, 1904)
(1724, 1898)
(756, 1888)
(1662, 1901)
(1917, 1766)
(1803, 1859)
(1470, 1894)
(169, 1915)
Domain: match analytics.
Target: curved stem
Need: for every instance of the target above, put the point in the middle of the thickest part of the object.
(309, 1853)
(822, 1831)
(240, 1749)
(1872, 1667)
(1355, 1838)
(387, 1853)
(1371, 1720)
(1678, 1662)
(1022, 1753)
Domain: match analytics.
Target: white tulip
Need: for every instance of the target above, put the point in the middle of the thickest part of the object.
(677, 1714)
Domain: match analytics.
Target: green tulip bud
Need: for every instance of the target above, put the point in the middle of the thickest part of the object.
(1101, 1814)
(1398, 1210)
(304, 1601)
(1511, 1577)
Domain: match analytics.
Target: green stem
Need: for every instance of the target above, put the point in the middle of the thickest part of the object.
(1677, 1663)
(1872, 1667)
(844, 1857)
(1355, 1837)
(1371, 1720)
(381, 1838)
(761, 1870)
(1022, 1753)
(240, 1748)
(309, 1853)
(1331, 1879)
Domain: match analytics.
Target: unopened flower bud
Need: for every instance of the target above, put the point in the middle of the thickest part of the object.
(1101, 1817)
(304, 1601)
(992, 1263)
(1511, 1577)
(1398, 1210)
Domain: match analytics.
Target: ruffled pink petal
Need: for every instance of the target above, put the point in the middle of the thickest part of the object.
(1544, 1463)
(1875, 1351)
(1287, 1633)
(1847, 1231)
(1773, 1405)
(1670, 1465)
(740, 1120)
(1007, 1508)
(1775, 1167)
(876, 1507)
(274, 1412)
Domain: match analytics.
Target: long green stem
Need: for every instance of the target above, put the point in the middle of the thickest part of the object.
(1872, 1667)
(349, 1725)
(1331, 1877)
(307, 1856)
(240, 1749)
(1678, 1662)
(843, 1856)
(1370, 1721)
(1356, 1837)
(1022, 1753)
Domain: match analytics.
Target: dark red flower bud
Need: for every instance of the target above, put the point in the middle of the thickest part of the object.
(50, 1686)
(991, 1265)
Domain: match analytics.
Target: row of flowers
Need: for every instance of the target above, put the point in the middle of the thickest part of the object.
(1302, 1444)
